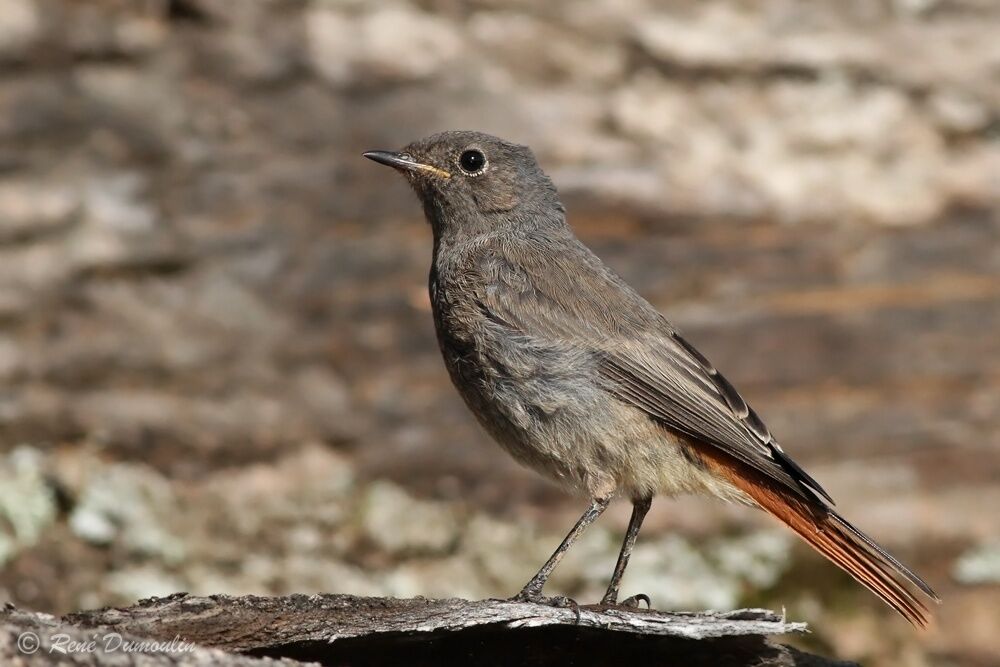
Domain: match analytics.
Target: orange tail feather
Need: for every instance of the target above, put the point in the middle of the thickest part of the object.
(829, 534)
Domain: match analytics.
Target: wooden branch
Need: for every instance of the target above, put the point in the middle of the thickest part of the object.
(344, 629)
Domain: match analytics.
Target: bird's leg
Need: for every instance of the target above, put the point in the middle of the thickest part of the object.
(532, 591)
(639, 509)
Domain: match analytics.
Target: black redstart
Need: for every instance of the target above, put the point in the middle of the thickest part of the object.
(581, 379)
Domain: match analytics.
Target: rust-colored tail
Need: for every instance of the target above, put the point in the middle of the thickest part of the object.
(831, 535)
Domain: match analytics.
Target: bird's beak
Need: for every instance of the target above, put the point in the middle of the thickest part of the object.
(404, 162)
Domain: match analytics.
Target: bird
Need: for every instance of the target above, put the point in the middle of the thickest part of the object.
(581, 379)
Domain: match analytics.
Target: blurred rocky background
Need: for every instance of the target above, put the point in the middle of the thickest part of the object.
(218, 370)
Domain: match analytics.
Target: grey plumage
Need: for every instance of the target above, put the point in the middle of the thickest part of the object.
(567, 367)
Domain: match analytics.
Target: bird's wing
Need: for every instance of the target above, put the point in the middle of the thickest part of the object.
(562, 295)
(550, 295)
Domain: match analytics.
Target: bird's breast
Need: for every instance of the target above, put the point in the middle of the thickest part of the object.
(503, 373)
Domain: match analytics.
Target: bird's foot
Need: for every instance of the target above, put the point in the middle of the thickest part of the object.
(628, 603)
(536, 597)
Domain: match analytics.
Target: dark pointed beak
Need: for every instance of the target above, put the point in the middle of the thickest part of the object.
(404, 162)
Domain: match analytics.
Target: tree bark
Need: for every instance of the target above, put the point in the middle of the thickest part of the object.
(348, 630)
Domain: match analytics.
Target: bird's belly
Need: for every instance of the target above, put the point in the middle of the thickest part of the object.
(543, 405)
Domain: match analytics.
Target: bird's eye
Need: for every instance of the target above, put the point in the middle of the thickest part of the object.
(472, 161)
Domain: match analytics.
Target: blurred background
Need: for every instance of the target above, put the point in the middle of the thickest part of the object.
(218, 370)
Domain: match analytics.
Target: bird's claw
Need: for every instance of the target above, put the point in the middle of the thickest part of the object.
(629, 602)
(634, 600)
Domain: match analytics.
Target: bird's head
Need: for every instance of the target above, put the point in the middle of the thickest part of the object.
(470, 182)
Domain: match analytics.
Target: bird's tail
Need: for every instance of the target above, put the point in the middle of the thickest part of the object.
(831, 535)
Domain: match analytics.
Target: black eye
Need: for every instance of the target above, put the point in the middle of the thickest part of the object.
(472, 161)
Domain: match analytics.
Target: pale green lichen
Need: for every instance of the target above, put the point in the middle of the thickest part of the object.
(27, 502)
(980, 565)
(401, 524)
(758, 558)
(130, 505)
